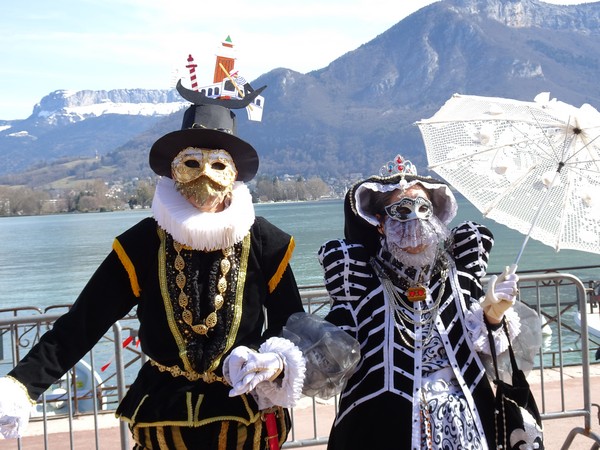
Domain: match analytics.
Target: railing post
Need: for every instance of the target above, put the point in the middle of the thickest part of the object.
(121, 387)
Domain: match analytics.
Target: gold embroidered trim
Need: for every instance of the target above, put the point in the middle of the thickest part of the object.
(239, 299)
(138, 407)
(196, 416)
(253, 417)
(282, 426)
(188, 404)
(257, 435)
(242, 435)
(178, 438)
(162, 276)
(276, 278)
(160, 437)
(135, 432)
(223, 436)
(170, 315)
(129, 267)
(176, 371)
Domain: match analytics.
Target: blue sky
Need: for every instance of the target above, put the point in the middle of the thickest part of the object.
(110, 44)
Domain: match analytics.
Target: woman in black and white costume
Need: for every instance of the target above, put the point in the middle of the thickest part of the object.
(408, 289)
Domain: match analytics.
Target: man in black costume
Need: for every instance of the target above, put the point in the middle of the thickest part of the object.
(201, 272)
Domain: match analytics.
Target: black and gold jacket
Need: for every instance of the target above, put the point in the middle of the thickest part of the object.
(181, 384)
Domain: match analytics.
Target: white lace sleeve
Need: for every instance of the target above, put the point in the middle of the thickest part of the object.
(525, 330)
(479, 334)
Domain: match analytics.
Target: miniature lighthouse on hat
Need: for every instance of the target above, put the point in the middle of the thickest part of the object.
(192, 68)
(229, 89)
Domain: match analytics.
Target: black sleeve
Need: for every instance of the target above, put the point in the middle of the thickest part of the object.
(283, 298)
(472, 244)
(106, 298)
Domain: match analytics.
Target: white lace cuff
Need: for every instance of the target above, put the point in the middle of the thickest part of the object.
(15, 407)
(284, 391)
(479, 334)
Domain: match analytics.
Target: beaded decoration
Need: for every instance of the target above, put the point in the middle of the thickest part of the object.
(398, 165)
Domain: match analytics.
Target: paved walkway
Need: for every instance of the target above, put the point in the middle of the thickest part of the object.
(552, 400)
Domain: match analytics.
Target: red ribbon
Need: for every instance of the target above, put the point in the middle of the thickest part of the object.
(126, 342)
(272, 434)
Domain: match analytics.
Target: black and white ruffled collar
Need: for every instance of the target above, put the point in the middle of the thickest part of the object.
(202, 230)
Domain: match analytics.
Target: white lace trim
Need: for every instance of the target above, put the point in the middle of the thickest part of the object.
(203, 230)
(15, 406)
(478, 330)
(287, 391)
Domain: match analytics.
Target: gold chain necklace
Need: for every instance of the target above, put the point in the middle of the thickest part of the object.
(183, 299)
(398, 303)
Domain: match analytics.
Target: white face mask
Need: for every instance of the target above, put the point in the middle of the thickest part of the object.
(425, 235)
(408, 208)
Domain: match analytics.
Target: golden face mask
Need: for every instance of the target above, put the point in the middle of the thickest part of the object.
(204, 176)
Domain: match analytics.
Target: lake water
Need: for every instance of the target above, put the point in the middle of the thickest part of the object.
(46, 260)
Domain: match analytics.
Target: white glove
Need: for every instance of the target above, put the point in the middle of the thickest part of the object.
(246, 368)
(15, 407)
(500, 294)
(234, 364)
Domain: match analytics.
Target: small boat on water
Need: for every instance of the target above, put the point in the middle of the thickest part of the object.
(546, 330)
(593, 322)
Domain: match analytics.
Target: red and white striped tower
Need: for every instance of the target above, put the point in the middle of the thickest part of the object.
(192, 67)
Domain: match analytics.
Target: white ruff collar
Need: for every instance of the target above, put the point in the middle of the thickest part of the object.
(202, 230)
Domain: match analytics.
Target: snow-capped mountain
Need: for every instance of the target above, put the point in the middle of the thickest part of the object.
(356, 113)
(67, 124)
(74, 106)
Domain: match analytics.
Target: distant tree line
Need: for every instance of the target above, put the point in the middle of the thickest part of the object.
(98, 196)
(93, 196)
(290, 189)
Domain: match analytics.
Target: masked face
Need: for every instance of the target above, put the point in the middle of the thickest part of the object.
(414, 242)
(408, 208)
(205, 177)
(412, 232)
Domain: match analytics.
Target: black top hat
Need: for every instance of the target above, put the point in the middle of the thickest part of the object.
(205, 126)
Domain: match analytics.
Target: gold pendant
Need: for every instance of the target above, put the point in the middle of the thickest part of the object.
(416, 293)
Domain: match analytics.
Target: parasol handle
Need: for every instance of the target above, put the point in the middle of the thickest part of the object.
(530, 230)
(509, 270)
(522, 248)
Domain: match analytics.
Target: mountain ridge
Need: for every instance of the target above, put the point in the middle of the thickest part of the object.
(357, 112)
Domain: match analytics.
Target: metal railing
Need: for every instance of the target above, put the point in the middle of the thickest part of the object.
(555, 296)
